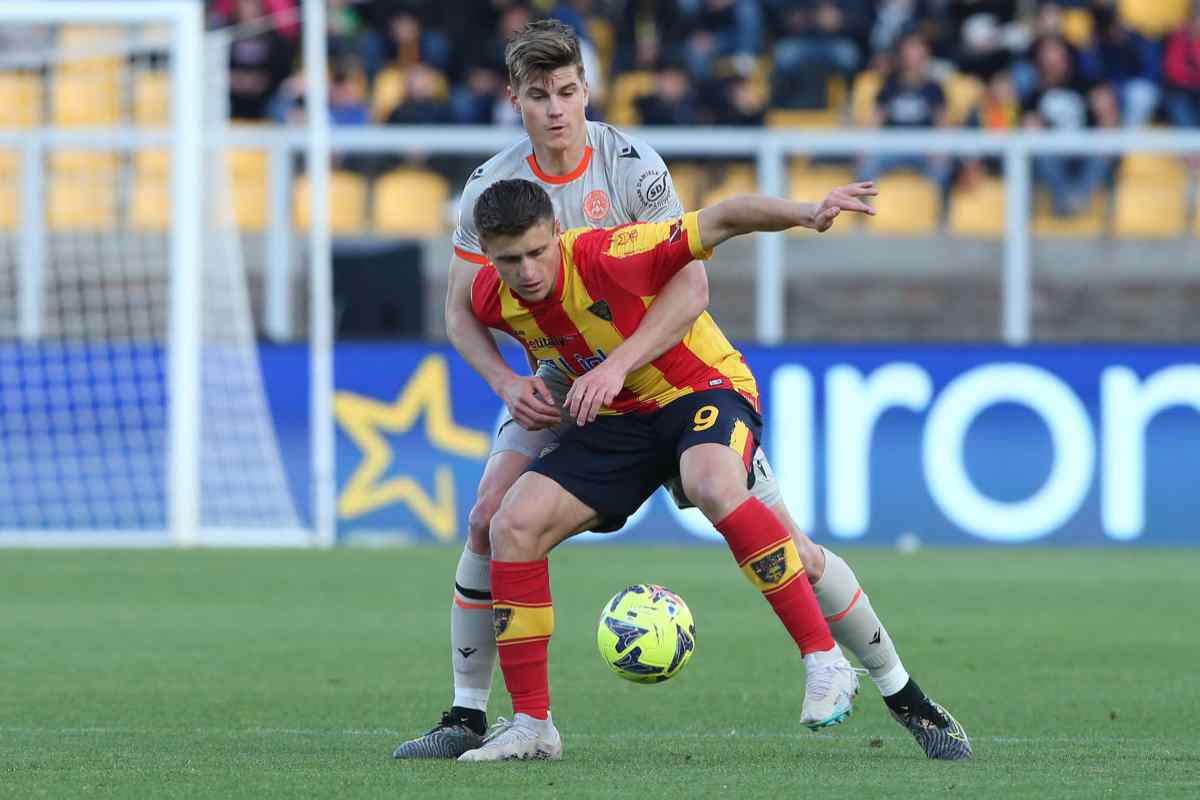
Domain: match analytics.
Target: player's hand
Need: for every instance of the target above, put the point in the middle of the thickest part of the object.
(530, 403)
(844, 198)
(593, 390)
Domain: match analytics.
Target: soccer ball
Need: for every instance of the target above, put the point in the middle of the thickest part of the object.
(646, 633)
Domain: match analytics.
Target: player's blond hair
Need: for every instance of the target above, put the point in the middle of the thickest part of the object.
(539, 48)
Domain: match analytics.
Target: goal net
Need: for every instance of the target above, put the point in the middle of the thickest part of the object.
(132, 406)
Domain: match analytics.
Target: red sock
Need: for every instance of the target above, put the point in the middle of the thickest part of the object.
(767, 555)
(524, 619)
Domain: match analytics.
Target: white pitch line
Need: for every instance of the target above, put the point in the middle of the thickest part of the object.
(733, 734)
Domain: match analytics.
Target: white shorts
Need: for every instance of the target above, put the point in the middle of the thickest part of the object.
(512, 437)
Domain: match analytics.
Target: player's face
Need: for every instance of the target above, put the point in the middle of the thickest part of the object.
(528, 263)
(553, 107)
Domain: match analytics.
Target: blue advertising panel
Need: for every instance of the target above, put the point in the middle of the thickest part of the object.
(1073, 445)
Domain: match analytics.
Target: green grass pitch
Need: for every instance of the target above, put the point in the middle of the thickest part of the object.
(294, 674)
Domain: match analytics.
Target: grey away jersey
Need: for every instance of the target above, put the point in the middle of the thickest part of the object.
(620, 180)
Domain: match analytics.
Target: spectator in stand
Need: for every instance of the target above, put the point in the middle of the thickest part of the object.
(474, 100)
(344, 29)
(999, 111)
(816, 39)
(910, 98)
(284, 14)
(347, 95)
(989, 36)
(1063, 100)
(1128, 62)
(403, 41)
(673, 102)
(422, 104)
(715, 29)
(258, 64)
(893, 19)
(741, 104)
(1182, 70)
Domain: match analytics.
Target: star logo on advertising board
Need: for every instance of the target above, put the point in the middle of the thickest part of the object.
(368, 421)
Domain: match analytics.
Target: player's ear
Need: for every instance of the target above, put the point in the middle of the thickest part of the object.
(513, 99)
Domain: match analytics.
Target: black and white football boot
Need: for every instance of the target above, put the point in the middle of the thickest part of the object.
(454, 735)
(940, 735)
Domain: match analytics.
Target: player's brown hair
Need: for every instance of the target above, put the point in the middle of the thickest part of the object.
(539, 48)
(511, 207)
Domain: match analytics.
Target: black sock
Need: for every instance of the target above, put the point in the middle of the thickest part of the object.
(907, 700)
(473, 718)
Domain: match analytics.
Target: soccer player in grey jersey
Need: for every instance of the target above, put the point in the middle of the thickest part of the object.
(598, 176)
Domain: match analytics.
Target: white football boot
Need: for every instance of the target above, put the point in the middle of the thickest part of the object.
(522, 737)
(830, 685)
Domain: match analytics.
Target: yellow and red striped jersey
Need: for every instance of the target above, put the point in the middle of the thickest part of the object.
(607, 278)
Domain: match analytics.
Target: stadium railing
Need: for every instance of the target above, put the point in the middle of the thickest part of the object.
(770, 149)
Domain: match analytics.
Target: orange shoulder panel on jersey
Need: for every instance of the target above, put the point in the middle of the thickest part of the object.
(640, 257)
(485, 298)
(467, 255)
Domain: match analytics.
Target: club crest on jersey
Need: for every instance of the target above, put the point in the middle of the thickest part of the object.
(600, 309)
(596, 205)
(771, 567)
(501, 617)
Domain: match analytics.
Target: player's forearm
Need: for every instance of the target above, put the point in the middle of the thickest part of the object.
(475, 344)
(753, 213)
(668, 319)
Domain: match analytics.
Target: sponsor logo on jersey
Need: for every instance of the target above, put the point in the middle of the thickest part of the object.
(601, 309)
(771, 567)
(596, 205)
(652, 187)
(542, 342)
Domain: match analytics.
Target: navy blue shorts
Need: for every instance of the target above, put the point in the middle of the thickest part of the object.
(617, 461)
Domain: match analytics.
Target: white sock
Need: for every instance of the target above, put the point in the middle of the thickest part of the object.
(472, 637)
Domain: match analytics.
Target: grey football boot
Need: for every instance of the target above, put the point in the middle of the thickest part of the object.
(940, 735)
(450, 738)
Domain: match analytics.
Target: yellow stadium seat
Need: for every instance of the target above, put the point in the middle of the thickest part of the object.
(83, 162)
(82, 200)
(1078, 25)
(1090, 223)
(347, 202)
(862, 97)
(152, 98)
(150, 203)
(389, 89)
(1146, 209)
(410, 201)
(810, 185)
(908, 205)
(87, 99)
(20, 100)
(601, 32)
(249, 194)
(1196, 222)
(963, 93)
(1163, 167)
(90, 49)
(738, 179)
(249, 163)
(152, 162)
(626, 89)
(10, 162)
(688, 180)
(1153, 17)
(803, 118)
(10, 202)
(978, 212)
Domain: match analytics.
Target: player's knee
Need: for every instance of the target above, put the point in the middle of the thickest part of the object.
(715, 495)
(513, 537)
(479, 521)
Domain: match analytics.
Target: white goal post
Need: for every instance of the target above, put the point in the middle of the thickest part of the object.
(132, 408)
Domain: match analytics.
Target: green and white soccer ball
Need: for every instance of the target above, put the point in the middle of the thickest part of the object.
(646, 633)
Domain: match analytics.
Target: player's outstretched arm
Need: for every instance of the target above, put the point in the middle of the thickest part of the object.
(753, 213)
(668, 319)
(527, 398)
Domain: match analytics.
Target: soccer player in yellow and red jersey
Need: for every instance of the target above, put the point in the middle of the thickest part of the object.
(599, 176)
(692, 412)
